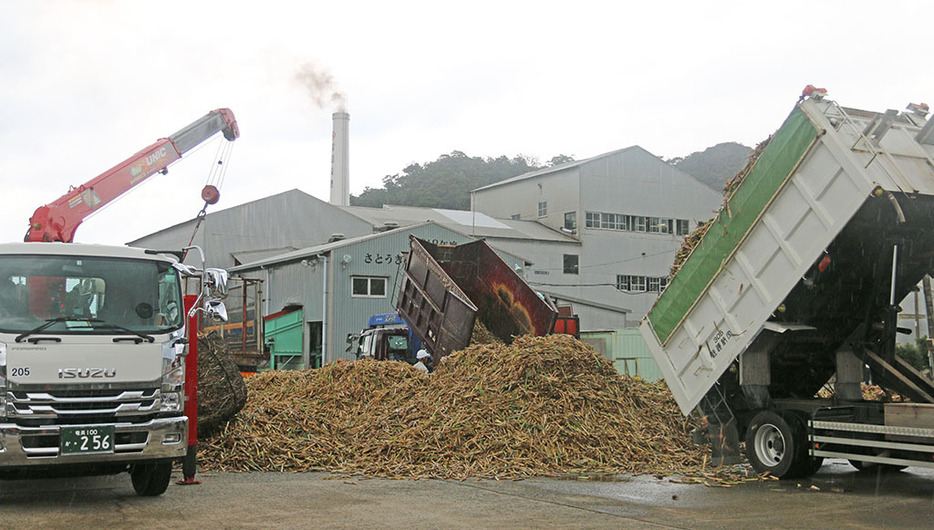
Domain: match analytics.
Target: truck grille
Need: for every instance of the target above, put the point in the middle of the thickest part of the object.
(82, 406)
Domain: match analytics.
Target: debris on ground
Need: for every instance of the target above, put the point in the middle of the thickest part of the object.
(543, 406)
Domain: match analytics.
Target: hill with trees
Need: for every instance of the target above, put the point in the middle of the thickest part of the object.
(448, 181)
(715, 165)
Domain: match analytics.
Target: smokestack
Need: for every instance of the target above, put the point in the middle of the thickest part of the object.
(340, 159)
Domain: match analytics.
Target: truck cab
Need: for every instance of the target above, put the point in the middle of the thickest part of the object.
(92, 362)
(386, 338)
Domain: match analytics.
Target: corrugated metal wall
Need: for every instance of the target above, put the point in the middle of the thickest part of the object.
(380, 257)
(626, 349)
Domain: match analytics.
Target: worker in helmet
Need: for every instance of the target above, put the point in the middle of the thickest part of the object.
(423, 359)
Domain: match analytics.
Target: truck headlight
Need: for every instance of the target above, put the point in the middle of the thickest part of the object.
(173, 386)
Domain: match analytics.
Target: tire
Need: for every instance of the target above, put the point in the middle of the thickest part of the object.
(807, 466)
(151, 480)
(778, 446)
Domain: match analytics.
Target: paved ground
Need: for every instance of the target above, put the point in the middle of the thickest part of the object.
(837, 497)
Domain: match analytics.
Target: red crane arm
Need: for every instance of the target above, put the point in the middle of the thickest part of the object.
(57, 221)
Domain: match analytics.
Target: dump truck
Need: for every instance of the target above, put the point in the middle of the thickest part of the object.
(447, 288)
(794, 288)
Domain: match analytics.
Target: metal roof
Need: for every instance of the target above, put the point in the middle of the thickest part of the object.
(312, 251)
(474, 224)
(561, 167)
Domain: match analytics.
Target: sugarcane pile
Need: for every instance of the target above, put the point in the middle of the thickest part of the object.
(691, 240)
(542, 406)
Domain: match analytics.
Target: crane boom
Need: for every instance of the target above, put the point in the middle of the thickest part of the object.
(58, 220)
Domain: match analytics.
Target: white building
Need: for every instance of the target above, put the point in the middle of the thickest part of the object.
(628, 209)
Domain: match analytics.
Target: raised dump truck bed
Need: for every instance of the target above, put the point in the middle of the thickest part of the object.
(447, 288)
(797, 280)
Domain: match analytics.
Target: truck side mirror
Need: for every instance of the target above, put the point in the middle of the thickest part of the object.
(216, 282)
(215, 309)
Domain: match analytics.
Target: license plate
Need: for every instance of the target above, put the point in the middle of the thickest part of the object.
(87, 440)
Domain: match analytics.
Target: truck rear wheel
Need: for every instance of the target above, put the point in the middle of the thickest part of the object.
(152, 479)
(778, 446)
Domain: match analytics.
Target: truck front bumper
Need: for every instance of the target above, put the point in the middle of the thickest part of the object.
(161, 438)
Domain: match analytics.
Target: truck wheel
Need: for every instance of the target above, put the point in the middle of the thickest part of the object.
(774, 446)
(808, 466)
(151, 480)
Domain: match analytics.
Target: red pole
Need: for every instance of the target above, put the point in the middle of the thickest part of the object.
(191, 395)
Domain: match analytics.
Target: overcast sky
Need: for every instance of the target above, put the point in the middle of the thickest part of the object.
(86, 84)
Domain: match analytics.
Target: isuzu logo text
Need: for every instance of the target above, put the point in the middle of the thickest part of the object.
(86, 373)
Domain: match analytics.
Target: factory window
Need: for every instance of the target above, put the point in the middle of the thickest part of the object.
(641, 284)
(660, 225)
(592, 220)
(570, 220)
(625, 222)
(683, 228)
(542, 209)
(570, 263)
(636, 223)
(637, 284)
(371, 286)
(622, 282)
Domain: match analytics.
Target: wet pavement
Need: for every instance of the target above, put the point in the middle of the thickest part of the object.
(836, 497)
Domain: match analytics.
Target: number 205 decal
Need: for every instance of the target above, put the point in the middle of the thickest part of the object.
(19, 371)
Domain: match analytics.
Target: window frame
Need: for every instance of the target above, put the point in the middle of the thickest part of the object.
(682, 227)
(370, 282)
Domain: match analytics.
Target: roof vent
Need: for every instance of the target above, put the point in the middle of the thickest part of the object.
(335, 237)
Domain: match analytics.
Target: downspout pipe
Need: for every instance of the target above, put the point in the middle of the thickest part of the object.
(324, 308)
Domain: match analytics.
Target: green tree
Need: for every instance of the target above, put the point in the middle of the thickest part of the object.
(560, 159)
(914, 354)
(443, 183)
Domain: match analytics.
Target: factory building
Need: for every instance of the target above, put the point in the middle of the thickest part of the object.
(628, 210)
(325, 292)
(266, 227)
(596, 236)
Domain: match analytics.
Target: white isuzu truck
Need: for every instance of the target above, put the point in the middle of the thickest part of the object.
(795, 287)
(93, 342)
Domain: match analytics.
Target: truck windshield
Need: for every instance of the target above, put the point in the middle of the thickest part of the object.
(88, 295)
